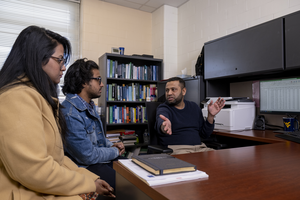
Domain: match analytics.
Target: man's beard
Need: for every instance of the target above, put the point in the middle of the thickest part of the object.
(176, 101)
(94, 96)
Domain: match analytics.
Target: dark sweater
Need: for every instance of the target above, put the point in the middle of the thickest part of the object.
(188, 125)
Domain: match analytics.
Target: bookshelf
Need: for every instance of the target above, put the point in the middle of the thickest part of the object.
(118, 73)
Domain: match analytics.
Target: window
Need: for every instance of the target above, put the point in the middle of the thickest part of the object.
(56, 15)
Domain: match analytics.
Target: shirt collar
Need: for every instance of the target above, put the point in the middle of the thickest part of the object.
(89, 106)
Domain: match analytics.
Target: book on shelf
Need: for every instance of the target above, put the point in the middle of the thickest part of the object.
(118, 131)
(127, 137)
(123, 71)
(152, 180)
(130, 92)
(111, 135)
(119, 70)
(108, 68)
(113, 92)
(109, 96)
(160, 164)
(129, 70)
(110, 114)
(135, 72)
(127, 132)
(126, 114)
(129, 142)
(107, 114)
(114, 139)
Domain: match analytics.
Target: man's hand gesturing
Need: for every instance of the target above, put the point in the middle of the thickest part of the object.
(166, 126)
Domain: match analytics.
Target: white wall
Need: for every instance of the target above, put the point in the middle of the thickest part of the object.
(164, 38)
(158, 33)
(105, 25)
(175, 35)
(200, 21)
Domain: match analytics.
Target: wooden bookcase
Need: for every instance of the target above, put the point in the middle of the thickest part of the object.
(103, 100)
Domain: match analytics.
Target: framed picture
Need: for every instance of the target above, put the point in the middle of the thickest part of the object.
(115, 50)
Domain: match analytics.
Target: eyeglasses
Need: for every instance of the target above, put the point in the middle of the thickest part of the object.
(60, 61)
(98, 78)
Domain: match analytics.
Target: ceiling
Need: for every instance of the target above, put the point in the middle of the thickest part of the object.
(146, 5)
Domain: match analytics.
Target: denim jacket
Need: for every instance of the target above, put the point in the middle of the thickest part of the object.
(85, 142)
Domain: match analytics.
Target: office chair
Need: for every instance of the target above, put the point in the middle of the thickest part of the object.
(154, 146)
(212, 142)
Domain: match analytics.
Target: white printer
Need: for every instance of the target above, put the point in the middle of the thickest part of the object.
(237, 114)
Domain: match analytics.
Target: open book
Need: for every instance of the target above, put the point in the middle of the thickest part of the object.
(159, 164)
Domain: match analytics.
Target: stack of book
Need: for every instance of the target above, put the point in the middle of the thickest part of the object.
(128, 140)
(154, 180)
(113, 135)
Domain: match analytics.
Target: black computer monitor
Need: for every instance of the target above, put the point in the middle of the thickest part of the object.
(280, 96)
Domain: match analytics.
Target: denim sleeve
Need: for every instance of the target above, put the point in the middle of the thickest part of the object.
(108, 143)
(79, 146)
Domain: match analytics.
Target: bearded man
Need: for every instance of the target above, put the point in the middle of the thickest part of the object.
(180, 123)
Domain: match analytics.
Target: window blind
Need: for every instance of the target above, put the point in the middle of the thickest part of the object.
(56, 15)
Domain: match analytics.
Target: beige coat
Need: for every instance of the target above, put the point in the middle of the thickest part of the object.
(32, 161)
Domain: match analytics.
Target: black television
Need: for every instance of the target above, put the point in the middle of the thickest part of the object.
(280, 96)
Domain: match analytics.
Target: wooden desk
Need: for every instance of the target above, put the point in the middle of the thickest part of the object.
(268, 171)
(266, 136)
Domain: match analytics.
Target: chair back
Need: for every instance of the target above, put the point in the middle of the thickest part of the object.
(151, 116)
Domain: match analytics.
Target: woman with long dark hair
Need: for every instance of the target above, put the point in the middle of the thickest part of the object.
(32, 128)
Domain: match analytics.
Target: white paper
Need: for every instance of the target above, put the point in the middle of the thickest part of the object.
(153, 180)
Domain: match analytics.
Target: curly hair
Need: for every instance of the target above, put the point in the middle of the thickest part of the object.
(79, 73)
